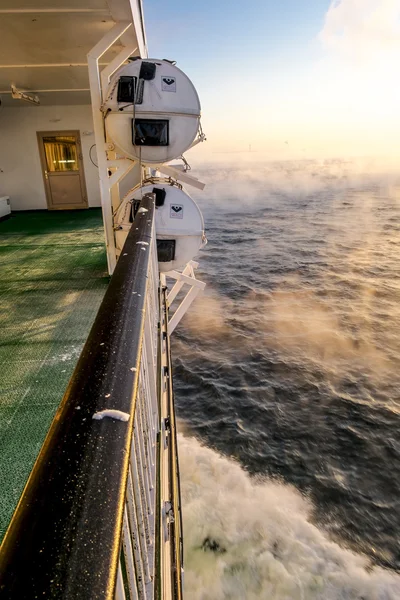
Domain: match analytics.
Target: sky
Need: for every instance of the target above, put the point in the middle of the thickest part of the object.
(294, 78)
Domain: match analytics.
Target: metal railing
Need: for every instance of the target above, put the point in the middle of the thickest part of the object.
(174, 493)
(100, 515)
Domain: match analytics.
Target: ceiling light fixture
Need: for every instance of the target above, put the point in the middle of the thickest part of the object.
(18, 95)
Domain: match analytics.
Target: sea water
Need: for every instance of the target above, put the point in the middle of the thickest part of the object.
(287, 378)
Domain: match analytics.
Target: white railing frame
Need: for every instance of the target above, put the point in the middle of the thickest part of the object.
(141, 494)
(187, 277)
(106, 156)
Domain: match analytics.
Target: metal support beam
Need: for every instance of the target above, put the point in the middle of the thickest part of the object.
(188, 270)
(138, 25)
(177, 174)
(187, 277)
(124, 165)
(182, 309)
(98, 121)
(116, 62)
(29, 11)
(46, 91)
(46, 65)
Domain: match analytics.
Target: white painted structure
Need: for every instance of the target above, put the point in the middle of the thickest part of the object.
(43, 51)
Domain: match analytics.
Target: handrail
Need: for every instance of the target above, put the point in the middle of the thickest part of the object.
(64, 539)
(176, 527)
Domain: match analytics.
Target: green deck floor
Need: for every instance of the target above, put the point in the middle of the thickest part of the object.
(52, 280)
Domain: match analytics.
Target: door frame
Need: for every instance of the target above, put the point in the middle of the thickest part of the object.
(72, 132)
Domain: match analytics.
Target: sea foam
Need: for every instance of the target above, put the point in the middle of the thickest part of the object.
(248, 540)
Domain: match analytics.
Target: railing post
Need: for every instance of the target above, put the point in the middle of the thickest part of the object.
(129, 562)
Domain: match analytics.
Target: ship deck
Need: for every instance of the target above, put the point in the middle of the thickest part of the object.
(53, 275)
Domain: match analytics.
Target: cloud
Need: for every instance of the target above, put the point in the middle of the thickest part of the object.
(356, 91)
(363, 31)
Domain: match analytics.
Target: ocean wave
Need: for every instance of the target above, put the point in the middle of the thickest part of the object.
(250, 539)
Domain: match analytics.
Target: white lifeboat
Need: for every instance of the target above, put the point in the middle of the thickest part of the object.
(152, 111)
(179, 223)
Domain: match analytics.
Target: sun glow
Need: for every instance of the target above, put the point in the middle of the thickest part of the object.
(343, 102)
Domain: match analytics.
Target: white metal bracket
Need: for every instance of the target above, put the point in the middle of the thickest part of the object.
(172, 171)
(117, 61)
(122, 166)
(186, 277)
(98, 85)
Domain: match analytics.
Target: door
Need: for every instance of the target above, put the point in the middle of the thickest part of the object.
(62, 166)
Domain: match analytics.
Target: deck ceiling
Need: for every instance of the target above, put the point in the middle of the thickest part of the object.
(44, 44)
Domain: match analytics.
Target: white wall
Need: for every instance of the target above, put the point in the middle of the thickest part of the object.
(20, 170)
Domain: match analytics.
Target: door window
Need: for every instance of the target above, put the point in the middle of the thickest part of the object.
(61, 153)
